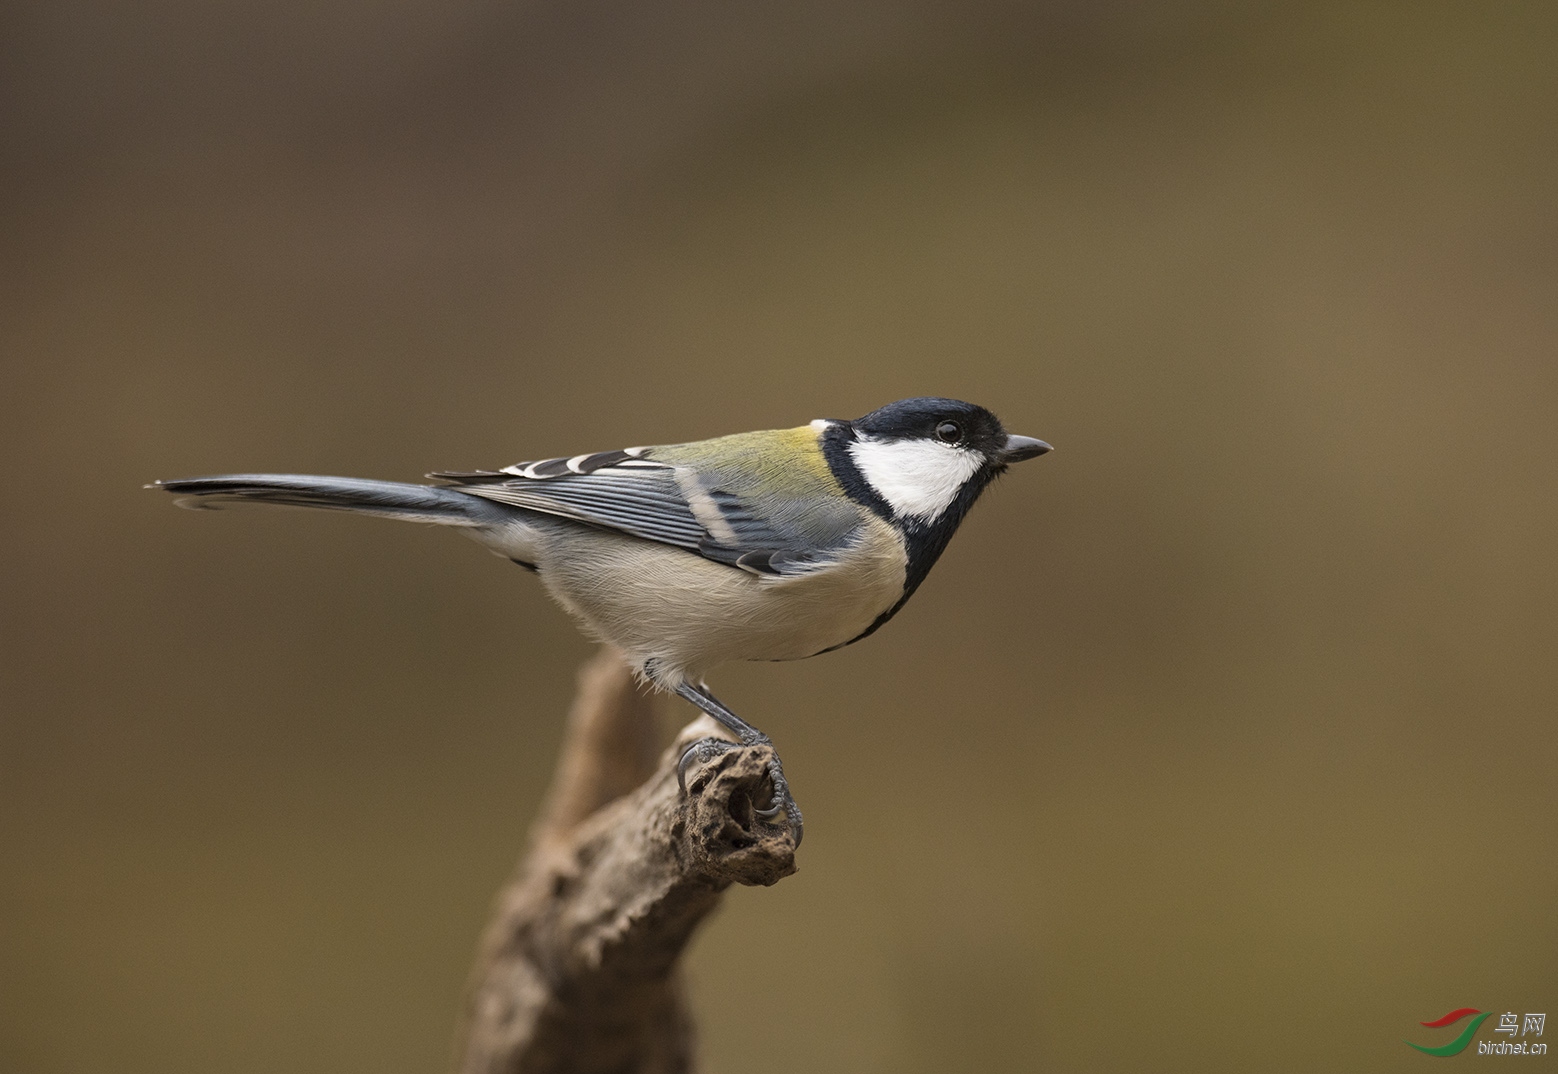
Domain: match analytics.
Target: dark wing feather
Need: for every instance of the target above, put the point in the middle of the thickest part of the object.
(622, 490)
(644, 503)
(774, 561)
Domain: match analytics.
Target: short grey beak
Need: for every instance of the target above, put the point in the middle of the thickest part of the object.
(1019, 448)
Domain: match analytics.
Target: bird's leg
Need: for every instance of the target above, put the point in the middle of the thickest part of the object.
(746, 735)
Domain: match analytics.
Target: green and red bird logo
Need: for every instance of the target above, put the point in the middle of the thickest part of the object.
(1458, 1045)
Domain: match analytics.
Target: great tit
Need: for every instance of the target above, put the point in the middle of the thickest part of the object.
(771, 545)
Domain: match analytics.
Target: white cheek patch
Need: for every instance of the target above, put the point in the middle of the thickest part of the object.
(918, 478)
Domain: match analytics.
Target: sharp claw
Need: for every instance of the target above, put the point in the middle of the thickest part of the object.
(705, 749)
(782, 800)
(681, 766)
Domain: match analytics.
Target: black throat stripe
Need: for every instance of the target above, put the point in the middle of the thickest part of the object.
(836, 439)
(924, 541)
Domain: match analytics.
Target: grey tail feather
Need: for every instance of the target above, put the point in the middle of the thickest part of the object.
(415, 503)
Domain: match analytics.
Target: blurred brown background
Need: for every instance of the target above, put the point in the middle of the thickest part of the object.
(1222, 739)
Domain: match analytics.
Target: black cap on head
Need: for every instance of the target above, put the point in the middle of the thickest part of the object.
(950, 421)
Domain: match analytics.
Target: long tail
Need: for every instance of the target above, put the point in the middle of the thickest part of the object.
(412, 503)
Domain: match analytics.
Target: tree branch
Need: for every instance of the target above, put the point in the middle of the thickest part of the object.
(577, 970)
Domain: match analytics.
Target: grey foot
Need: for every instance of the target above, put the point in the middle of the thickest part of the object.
(700, 752)
(780, 801)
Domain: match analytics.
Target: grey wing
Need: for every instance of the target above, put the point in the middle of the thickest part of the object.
(656, 501)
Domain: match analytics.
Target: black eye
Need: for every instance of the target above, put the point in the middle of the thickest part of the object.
(949, 432)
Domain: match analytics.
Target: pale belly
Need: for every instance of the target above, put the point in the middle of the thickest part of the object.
(690, 615)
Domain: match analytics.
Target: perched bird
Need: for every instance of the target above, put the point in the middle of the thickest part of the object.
(770, 545)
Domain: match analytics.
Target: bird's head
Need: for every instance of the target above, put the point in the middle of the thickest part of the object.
(924, 461)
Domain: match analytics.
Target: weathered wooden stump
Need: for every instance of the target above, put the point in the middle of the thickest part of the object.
(577, 971)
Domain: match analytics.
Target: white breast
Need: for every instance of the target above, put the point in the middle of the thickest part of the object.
(918, 478)
(691, 615)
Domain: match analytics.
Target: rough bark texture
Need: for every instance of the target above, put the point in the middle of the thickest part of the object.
(577, 971)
